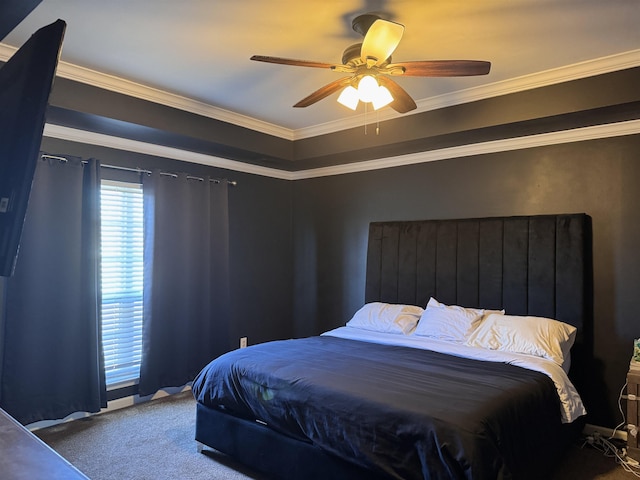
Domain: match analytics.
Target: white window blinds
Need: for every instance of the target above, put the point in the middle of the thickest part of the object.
(122, 279)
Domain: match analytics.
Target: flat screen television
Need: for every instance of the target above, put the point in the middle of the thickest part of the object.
(25, 83)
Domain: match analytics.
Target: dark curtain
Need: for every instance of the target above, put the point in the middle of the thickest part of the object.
(186, 306)
(51, 346)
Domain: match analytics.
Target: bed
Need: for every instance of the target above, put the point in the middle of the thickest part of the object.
(415, 386)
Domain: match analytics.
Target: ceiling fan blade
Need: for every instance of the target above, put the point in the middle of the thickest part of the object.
(381, 40)
(290, 61)
(443, 68)
(402, 101)
(324, 92)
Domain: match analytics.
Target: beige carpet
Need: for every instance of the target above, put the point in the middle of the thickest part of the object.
(155, 441)
(590, 464)
(150, 441)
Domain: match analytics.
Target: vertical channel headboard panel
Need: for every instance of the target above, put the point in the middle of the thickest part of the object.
(527, 265)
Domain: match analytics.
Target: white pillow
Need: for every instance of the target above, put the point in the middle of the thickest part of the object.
(386, 318)
(539, 336)
(448, 322)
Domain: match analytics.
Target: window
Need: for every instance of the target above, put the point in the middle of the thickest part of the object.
(122, 280)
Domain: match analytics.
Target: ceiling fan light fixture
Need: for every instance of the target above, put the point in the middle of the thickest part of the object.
(367, 88)
(349, 97)
(371, 62)
(368, 91)
(382, 98)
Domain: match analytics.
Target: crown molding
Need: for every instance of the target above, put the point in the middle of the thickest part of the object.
(6, 52)
(137, 90)
(135, 146)
(112, 83)
(151, 94)
(618, 129)
(631, 127)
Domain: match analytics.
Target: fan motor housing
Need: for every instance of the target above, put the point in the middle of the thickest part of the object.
(351, 54)
(362, 23)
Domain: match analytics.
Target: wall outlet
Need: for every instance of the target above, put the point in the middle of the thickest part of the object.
(243, 342)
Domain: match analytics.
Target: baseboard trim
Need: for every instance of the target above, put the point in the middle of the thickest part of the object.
(605, 432)
(112, 405)
(132, 400)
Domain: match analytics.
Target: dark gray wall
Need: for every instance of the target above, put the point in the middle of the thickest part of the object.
(324, 222)
(280, 294)
(599, 177)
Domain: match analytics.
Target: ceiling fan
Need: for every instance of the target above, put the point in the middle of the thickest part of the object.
(371, 59)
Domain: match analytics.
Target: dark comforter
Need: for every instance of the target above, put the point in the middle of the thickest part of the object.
(407, 412)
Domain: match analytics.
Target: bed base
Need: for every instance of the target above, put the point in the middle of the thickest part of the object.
(282, 457)
(266, 451)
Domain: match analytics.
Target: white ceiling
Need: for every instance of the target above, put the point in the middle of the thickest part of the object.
(198, 50)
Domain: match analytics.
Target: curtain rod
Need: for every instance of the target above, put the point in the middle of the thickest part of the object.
(140, 170)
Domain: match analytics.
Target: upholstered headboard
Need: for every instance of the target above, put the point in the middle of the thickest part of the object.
(529, 265)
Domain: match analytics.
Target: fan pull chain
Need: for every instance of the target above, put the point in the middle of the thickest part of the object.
(365, 118)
